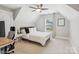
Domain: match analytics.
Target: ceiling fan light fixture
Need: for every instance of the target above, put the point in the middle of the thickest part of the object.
(38, 10)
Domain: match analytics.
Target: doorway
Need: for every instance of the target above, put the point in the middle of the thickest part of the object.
(2, 29)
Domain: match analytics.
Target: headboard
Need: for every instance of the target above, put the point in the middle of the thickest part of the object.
(26, 27)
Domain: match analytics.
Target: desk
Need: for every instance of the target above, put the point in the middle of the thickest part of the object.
(4, 42)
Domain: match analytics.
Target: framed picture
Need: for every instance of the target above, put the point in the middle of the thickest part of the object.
(61, 22)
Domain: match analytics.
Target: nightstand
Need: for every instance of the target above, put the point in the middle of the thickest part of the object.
(18, 37)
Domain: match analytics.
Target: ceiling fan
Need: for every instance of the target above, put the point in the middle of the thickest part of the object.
(38, 7)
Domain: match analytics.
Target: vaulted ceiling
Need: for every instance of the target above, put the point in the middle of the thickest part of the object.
(75, 6)
(15, 6)
(11, 6)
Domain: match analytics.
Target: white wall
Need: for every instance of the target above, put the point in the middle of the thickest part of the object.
(48, 14)
(26, 17)
(15, 12)
(6, 16)
(40, 23)
(61, 31)
(73, 17)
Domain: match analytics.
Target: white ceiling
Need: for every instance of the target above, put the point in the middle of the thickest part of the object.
(15, 6)
(75, 6)
(12, 6)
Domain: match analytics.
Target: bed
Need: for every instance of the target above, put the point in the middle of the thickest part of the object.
(37, 36)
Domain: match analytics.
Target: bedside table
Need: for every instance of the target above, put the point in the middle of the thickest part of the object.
(18, 37)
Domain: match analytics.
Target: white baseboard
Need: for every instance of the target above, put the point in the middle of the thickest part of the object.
(75, 50)
(62, 37)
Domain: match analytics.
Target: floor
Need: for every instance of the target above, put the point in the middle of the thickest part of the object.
(54, 46)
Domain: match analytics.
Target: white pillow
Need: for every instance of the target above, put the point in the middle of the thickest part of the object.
(32, 29)
(23, 31)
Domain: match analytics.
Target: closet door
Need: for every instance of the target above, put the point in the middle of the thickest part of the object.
(2, 29)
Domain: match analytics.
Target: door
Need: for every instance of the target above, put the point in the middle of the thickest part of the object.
(2, 29)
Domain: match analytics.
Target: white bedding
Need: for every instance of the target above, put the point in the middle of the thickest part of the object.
(37, 36)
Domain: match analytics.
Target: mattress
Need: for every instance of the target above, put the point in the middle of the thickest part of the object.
(40, 37)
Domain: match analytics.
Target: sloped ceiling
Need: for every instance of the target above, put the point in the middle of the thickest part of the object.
(74, 6)
(27, 17)
(15, 6)
(11, 6)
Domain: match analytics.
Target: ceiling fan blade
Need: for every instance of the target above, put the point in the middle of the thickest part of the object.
(33, 10)
(32, 7)
(44, 8)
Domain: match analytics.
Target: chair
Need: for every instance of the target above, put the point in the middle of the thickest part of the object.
(10, 48)
(11, 36)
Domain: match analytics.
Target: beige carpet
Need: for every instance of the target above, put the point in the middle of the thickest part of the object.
(54, 46)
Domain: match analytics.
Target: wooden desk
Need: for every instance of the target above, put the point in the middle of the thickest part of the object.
(5, 42)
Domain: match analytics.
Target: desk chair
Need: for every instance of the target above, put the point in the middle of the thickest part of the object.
(11, 36)
(11, 47)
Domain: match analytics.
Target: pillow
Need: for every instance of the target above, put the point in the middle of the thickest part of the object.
(26, 30)
(32, 29)
(23, 31)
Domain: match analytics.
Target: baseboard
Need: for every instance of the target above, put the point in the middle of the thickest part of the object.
(62, 37)
(75, 50)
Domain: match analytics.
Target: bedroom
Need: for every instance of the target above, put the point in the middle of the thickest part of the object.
(56, 19)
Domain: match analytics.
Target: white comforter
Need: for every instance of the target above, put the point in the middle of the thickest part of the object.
(40, 37)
